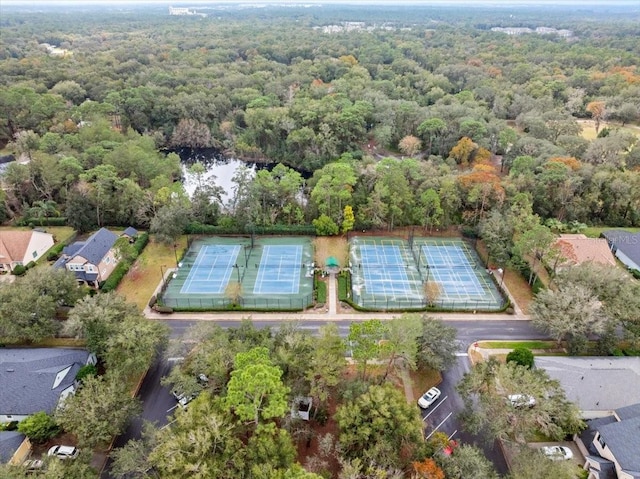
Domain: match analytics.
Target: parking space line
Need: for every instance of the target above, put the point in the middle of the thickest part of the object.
(432, 411)
(438, 426)
(453, 434)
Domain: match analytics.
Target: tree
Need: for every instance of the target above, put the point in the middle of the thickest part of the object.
(325, 226)
(327, 363)
(432, 129)
(598, 112)
(170, 222)
(437, 344)
(529, 463)
(233, 292)
(400, 345)
(433, 212)
(490, 383)
(39, 427)
(364, 339)
(191, 133)
(100, 410)
(427, 469)
(348, 219)
(432, 292)
(463, 150)
(379, 425)
(497, 235)
(269, 450)
(255, 391)
(410, 145)
(569, 312)
(468, 461)
(533, 245)
(28, 306)
(521, 356)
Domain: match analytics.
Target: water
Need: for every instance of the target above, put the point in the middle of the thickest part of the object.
(219, 170)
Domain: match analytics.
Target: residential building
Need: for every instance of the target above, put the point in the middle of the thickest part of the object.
(92, 260)
(577, 249)
(611, 445)
(626, 247)
(14, 447)
(22, 247)
(37, 379)
(598, 385)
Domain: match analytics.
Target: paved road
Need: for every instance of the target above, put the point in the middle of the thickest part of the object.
(158, 402)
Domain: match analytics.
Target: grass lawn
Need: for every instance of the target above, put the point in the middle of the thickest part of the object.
(423, 379)
(517, 344)
(589, 129)
(594, 231)
(145, 274)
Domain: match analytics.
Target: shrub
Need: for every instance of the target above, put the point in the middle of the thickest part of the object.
(52, 256)
(163, 309)
(39, 427)
(521, 356)
(153, 301)
(19, 270)
(86, 370)
(31, 264)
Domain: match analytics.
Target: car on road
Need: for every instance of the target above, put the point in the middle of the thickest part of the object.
(33, 465)
(63, 452)
(521, 400)
(557, 453)
(183, 399)
(428, 398)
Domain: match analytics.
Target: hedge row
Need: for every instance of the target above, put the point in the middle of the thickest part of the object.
(35, 222)
(202, 229)
(118, 273)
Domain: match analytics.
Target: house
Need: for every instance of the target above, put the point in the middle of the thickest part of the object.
(37, 379)
(92, 260)
(130, 233)
(576, 249)
(611, 445)
(598, 385)
(625, 245)
(14, 447)
(22, 247)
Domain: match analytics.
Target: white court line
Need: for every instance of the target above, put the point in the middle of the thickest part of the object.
(438, 426)
(433, 410)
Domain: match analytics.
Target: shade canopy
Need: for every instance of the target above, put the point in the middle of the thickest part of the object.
(332, 262)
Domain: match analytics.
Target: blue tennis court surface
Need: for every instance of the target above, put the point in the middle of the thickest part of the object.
(279, 270)
(212, 270)
(384, 270)
(449, 266)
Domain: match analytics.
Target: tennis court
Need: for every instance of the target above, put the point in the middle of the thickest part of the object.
(259, 272)
(460, 276)
(392, 273)
(384, 274)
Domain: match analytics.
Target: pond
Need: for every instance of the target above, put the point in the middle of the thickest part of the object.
(218, 168)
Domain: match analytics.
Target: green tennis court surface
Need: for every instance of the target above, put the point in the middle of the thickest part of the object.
(273, 273)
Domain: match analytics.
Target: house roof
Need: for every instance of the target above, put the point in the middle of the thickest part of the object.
(131, 232)
(94, 248)
(626, 242)
(9, 443)
(28, 377)
(13, 245)
(623, 439)
(588, 381)
(578, 249)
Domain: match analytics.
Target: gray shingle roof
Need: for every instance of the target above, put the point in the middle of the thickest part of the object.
(131, 232)
(626, 242)
(27, 377)
(9, 442)
(623, 439)
(97, 246)
(588, 381)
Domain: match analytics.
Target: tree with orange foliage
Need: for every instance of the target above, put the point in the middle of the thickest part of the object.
(569, 161)
(463, 150)
(427, 469)
(483, 190)
(598, 112)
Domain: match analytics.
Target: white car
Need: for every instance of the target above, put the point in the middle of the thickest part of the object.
(33, 465)
(182, 399)
(428, 398)
(557, 453)
(521, 400)
(63, 452)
